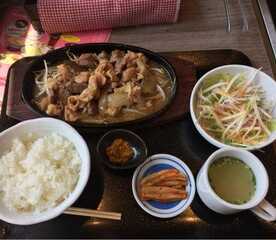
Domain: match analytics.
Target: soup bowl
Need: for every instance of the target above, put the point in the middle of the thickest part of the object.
(59, 55)
(256, 204)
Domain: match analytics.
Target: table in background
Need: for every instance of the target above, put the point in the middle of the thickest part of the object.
(201, 25)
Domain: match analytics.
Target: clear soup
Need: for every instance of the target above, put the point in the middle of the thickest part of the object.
(232, 180)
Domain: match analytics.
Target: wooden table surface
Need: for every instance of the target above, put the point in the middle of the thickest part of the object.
(202, 25)
(268, 11)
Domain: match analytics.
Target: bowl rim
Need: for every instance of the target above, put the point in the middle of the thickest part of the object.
(156, 157)
(162, 60)
(118, 167)
(84, 175)
(202, 132)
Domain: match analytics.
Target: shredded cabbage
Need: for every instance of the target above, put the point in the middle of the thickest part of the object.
(232, 109)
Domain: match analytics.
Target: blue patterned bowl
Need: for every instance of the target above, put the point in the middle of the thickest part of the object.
(156, 163)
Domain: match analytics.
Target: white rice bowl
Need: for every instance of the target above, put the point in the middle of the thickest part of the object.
(32, 172)
(65, 182)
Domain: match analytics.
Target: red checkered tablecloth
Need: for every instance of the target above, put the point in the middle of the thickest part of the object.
(82, 15)
(18, 39)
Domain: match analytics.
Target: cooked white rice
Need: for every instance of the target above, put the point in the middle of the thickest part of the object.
(38, 173)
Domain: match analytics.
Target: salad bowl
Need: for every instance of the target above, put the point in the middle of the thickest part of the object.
(240, 119)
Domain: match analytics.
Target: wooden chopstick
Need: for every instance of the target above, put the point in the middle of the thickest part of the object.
(92, 213)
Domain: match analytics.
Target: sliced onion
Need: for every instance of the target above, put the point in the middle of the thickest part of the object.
(131, 110)
(161, 91)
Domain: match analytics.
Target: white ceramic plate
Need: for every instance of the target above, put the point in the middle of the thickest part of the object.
(156, 163)
(265, 81)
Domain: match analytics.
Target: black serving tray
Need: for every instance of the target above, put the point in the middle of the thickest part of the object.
(110, 190)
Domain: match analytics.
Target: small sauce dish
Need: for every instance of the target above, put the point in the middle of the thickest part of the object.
(136, 143)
